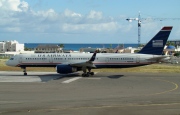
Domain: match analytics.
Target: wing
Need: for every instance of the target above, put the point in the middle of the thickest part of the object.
(88, 63)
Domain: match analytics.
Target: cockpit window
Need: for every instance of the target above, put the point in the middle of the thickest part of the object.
(12, 59)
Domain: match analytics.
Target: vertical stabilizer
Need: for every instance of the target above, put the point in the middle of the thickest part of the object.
(156, 45)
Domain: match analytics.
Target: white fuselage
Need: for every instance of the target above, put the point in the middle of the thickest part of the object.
(102, 59)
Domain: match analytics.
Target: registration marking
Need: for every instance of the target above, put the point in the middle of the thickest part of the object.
(71, 80)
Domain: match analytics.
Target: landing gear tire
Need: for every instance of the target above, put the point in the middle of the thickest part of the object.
(85, 75)
(92, 73)
(24, 70)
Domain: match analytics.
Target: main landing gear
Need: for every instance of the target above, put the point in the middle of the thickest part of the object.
(85, 73)
(24, 70)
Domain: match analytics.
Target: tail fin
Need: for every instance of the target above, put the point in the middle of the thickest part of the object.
(156, 44)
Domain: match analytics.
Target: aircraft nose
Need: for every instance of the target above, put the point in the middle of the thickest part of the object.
(7, 63)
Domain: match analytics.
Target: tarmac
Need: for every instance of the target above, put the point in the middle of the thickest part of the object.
(45, 93)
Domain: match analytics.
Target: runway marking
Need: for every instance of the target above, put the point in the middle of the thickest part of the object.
(19, 79)
(71, 80)
(175, 88)
(94, 78)
(118, 106)
(9, 102)
(76, 78)
(93, 107)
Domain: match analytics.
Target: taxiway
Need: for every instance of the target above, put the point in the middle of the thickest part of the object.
(46, 93)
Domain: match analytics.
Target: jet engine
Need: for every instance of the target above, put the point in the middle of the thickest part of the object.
(64, 69)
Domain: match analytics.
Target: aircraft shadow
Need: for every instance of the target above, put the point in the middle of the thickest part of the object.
(43, 77)
(49, 77)
(46, 78)
(56, 76)
(115, 76)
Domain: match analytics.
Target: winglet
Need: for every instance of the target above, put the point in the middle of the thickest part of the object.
(156, 45)
(93, 56)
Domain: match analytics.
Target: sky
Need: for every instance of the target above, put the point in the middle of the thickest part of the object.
(86, 21)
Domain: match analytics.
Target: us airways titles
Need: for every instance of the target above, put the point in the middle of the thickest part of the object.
(54, 55)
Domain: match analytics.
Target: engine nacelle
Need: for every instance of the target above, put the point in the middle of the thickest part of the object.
(64, 69)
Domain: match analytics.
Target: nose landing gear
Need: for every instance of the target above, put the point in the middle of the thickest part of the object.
(24, 70)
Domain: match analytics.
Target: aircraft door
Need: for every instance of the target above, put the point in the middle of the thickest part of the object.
(20, 59)
(107, 60)
(50, 60)
(138, 59)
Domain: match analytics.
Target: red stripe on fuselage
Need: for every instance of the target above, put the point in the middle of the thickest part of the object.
(135, 63)
(100, 63)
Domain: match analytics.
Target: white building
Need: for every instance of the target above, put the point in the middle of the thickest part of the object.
(11, 46)
(48, 48)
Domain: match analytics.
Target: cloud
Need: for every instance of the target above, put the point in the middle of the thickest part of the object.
(18, 17)
(69, 13)
(95, 15)
(13, 5)
(49, 15)
(12, 29)
(23, 6)
(101, 27)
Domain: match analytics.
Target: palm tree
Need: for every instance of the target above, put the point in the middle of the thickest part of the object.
(61, 45)
(170, 43)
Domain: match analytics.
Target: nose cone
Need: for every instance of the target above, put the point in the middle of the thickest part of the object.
(7, 63)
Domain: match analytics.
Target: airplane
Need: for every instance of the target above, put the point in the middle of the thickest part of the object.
(66, 63)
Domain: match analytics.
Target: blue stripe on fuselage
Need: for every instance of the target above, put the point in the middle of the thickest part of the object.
(119, 66)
